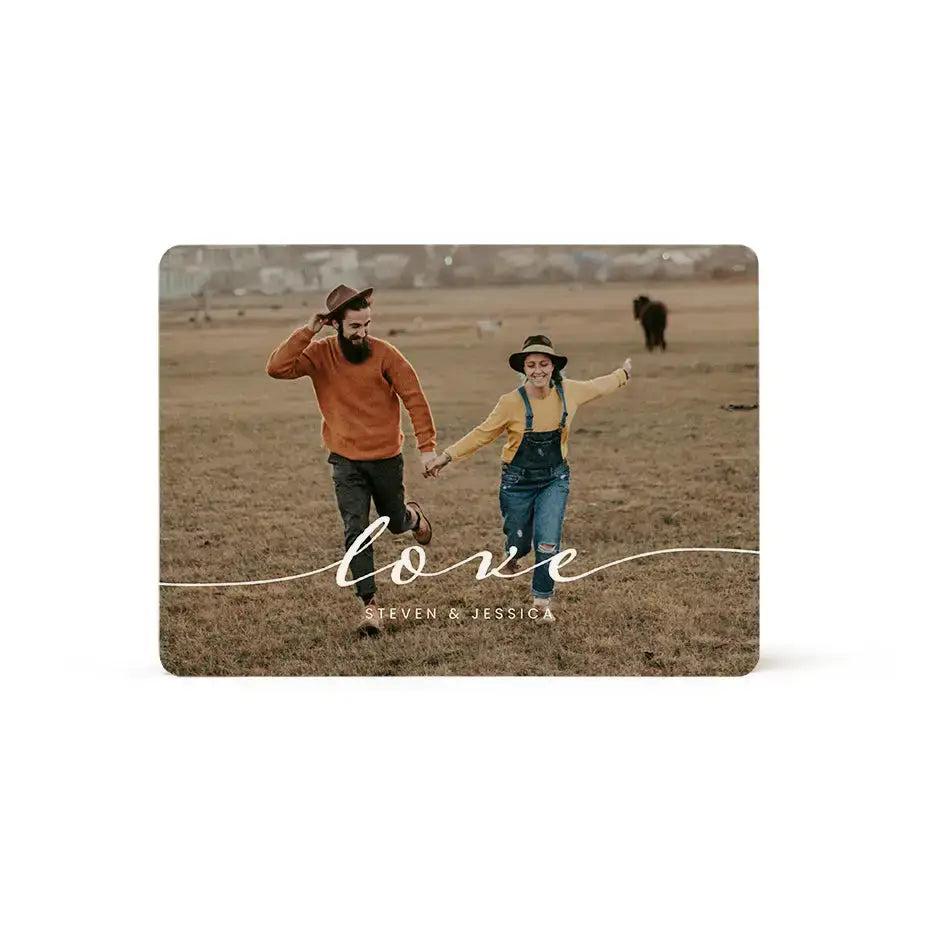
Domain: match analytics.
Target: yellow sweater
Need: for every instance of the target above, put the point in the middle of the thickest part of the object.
(508, 415)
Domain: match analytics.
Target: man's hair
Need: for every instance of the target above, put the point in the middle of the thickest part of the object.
(359, 304)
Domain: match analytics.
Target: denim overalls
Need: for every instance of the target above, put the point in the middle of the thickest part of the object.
(533, 494)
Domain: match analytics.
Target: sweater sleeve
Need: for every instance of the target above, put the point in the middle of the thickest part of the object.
(294, 357)
(406, 385)
(483, 434)
(597, 387)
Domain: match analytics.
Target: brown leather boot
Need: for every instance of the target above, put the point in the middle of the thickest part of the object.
(424, 530)
(369, 626)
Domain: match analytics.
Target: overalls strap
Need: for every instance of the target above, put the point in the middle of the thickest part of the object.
(563, 401)
(528, 413)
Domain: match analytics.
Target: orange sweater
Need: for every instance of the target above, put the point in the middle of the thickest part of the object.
(361, 413)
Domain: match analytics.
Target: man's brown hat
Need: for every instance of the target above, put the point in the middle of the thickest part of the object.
(342, 295)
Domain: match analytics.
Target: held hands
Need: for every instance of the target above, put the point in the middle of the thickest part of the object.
(627, 368)
(433, 464)
(428, 460)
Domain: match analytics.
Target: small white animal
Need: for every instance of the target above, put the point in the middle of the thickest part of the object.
(487, 327)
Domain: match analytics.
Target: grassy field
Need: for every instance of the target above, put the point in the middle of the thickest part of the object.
(246, 493)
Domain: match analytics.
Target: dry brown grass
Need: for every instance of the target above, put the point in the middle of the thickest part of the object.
(246, 493)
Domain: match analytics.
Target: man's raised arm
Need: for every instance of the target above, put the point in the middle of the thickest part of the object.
(288, 359)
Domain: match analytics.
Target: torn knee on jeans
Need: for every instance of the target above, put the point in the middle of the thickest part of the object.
(547, 548)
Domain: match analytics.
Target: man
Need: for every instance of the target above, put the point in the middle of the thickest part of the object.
(359, 382)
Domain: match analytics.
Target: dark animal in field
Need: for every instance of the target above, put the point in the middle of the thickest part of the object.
(654, 317)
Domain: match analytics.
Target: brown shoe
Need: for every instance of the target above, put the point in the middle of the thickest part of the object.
(369, 626)
(423, 533)
(511, 566)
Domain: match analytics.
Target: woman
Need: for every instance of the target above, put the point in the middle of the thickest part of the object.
(535, 475)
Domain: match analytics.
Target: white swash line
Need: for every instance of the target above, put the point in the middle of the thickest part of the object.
(505, 576)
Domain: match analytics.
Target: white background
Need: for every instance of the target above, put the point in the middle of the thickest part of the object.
(797, 800)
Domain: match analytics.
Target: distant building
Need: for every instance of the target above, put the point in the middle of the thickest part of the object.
(178, 283)
(193, 270)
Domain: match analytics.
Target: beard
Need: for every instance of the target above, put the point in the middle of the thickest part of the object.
(354, 352)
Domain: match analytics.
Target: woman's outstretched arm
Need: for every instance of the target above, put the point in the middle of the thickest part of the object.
(605, 384)
(490, 428)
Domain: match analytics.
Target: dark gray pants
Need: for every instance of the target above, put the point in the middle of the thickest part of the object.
(357, 483)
